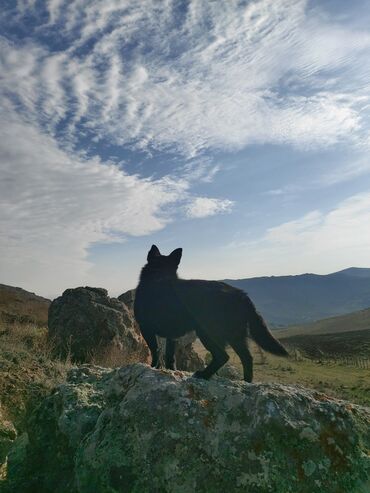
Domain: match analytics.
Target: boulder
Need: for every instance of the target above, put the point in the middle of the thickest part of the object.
(230, 371)
(187, 359)
(136, 429)
(86, 323)
(128, 299)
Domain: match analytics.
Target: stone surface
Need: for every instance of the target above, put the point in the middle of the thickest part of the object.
(85, 321)
(128, 299)
(139, 430)
(231, 372)
(187, 359)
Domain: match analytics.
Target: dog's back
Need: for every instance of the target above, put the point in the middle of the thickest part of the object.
(215, 306)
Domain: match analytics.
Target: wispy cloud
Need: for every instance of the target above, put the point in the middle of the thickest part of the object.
(333, 240)
(193, 76)
(344, 172)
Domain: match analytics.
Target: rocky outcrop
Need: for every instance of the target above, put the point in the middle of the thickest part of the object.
(85, 321)
(136, 429)
(128, 299)
(187, 359)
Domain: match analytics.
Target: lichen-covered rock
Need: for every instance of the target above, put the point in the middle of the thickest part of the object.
(187, 359)
(139, 430)
(128, 298)
(44, 458)
(230, 371)
(85, 321)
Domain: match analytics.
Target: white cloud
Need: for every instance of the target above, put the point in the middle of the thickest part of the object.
(319, 242)
(339, 238)
(205, 207)
(54, 205)
(347, 171)
(205, 75)
(195, 76)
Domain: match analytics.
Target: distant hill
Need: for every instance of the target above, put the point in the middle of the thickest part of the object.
(351, 322)
(19, 305)
(305, 298)
(346, 336)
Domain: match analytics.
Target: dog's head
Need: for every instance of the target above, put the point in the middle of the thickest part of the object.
(163, 265)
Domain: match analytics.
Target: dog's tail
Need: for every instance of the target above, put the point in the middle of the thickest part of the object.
(261, 334)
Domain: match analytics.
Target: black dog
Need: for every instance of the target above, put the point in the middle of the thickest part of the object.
(219, 314)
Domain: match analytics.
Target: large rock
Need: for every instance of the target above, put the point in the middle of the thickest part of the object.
(141, 430)
(187, 359)
(86, 322)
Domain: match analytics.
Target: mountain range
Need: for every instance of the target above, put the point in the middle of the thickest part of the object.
(282, 300)
(305, 298)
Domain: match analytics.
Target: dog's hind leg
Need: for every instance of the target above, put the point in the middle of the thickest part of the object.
(219, 356)
(170, 354)
(241, 348)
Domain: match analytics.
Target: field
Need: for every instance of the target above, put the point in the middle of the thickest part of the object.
(352, 348)
(336, 379)
(354, 321)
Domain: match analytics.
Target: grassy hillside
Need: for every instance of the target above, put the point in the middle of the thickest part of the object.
(20, 306)
(345, 323)
(342, 337)
(351, 345)
(28, 371)
(292, 300)
(334, 379)
(337, 379)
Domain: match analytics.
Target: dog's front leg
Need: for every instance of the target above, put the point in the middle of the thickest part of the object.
(152, 342)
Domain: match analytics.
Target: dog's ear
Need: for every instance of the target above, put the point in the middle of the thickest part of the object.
(153, 252)
(176, 255)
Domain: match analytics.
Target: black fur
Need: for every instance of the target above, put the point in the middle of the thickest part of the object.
(219, 314)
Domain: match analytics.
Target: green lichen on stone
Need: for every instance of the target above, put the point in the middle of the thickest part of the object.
(141, 430)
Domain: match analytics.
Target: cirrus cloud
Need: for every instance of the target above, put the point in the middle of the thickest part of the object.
(191, 77)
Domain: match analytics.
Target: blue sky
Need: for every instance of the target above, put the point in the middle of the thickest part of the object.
(238, 130)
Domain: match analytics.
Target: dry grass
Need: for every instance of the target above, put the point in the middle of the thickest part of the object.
(114, 357)
(338, 380)
(28, 370)
(19, 306)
